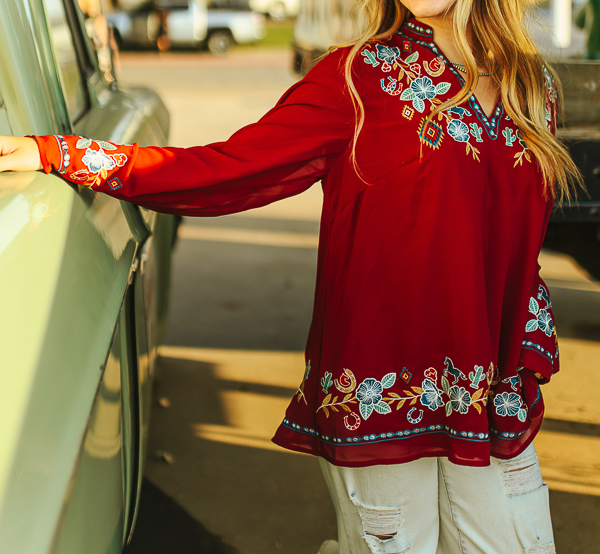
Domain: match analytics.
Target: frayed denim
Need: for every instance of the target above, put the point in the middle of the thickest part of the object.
(432, 506)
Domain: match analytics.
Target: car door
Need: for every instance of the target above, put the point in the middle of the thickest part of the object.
(79, 324)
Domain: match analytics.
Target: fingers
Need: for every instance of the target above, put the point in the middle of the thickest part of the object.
(19, 154)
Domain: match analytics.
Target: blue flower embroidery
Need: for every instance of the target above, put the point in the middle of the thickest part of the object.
(458, 130)
(423, 88)
(432, 396)
(507, 404)
(545, 322)
(460, 399)
(386, 54)
(369, 391)
(368, 395)
(96, 160)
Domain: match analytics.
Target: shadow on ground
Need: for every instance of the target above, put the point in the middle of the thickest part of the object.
(164, 526)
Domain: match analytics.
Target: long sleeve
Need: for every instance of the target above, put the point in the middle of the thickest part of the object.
(284, 153)
(539, 351)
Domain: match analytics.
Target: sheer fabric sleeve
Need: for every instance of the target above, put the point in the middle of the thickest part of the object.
(539, 352)
(284, 153)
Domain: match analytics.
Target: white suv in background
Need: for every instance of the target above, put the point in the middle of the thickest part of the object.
(276, 9)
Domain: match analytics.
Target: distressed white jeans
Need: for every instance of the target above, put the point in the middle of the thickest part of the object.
(432, 506)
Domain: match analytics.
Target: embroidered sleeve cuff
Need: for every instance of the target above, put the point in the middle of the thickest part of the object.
(87, 162)
(539, 350)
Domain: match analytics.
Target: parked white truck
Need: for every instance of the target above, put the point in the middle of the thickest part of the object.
(184, 23)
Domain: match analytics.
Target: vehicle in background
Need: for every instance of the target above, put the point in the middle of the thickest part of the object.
(85, 280)
(573, 229)
(186, 24)
(276, 9)
(319, 25)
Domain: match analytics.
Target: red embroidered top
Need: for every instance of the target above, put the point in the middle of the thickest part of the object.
(428, 299)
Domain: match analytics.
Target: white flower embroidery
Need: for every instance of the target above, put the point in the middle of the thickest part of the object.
(96, 160)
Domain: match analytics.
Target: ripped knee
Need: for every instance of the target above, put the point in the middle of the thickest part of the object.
(522, 476)
(381, 527)
(539, 548)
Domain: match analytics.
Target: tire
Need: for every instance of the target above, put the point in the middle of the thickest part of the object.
(219, 42)
(277, 10)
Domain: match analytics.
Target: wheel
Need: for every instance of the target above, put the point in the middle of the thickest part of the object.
(219, 42)
(277, 10)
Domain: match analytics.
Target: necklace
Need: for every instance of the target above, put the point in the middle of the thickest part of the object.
(459, 67)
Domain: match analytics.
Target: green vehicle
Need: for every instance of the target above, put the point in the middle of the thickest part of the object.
(83, 281)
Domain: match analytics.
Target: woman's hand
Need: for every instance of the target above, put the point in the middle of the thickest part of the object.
(19, 154)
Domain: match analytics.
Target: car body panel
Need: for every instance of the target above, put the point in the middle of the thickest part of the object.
(188, 26)
(67, 354)
(244, 26)
(84, 306)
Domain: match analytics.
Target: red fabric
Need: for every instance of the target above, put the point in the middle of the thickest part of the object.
(428, 297)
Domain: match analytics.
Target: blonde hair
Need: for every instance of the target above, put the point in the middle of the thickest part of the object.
(516, 66)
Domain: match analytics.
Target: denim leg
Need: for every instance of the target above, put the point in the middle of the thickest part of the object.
(499, 509)
(385, 509)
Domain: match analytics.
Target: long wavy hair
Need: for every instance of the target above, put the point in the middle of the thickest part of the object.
(510, 54)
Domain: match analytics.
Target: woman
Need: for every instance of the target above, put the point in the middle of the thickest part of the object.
(433, 138)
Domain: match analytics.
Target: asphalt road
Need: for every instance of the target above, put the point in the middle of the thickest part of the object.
(240, 308)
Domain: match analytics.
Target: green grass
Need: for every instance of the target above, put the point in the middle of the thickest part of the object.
(279, 35)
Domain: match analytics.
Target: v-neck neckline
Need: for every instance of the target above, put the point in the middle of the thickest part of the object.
(417, 31)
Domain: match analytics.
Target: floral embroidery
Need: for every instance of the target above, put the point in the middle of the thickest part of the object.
(422, 89)
(432, 396)
(371, 397)
(97, 162)
(368, 395)
(460, 399)
(543, 320)
(422, 92)
(491, 125)
(510, 404)
(458, 130)
(431, 373)
(387, 55)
